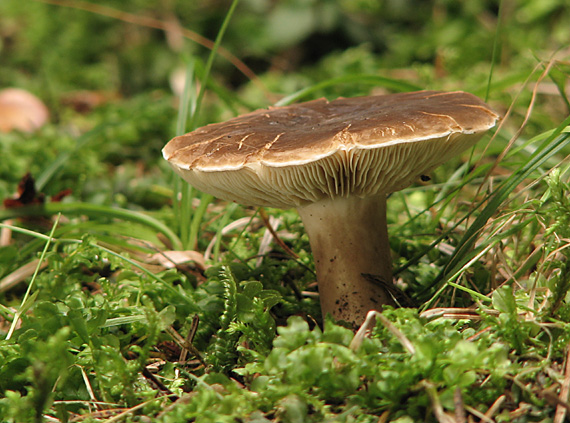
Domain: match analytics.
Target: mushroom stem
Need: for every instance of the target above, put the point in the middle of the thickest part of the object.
(349, 237)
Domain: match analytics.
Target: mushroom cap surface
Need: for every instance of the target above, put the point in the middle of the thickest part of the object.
(294, 155)
(21, 110)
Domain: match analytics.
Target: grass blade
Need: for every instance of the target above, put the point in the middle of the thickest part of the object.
(183, 192)
(189, 235)
(25, 303)
(210, 62)
(93, 210)
(551, 146)
(495, 53)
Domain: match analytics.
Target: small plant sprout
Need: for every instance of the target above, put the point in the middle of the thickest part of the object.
(335, 162)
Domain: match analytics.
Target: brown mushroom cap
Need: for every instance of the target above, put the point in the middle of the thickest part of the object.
(295, 155)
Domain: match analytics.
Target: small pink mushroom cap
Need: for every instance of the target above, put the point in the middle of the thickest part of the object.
(21, 111)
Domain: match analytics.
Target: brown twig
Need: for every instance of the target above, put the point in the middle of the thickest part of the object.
(278, 240)
(190, 337)
(182, 343)
(511, 142)
(495, 407)
(20, 274)
(482, 417)
(440, 414)
(562, 407)
(370, 322)
(158, 384)
(460, 416)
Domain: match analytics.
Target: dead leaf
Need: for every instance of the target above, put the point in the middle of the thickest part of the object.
(171, 259)
(26, 195)
(85, 101)
(20, 275)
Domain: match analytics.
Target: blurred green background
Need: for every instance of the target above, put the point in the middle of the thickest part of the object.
(56, 46)
(111, 65)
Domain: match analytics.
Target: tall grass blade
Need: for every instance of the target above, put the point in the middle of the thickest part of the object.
(183, 192)
(495, 53)
(210, 62)
(93, 210)
(197, 217)
(188, 220)
(25, 303)
(223, 222)
(551, 146)
(187, 102)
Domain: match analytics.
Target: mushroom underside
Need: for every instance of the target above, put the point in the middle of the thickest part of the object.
(352, 172)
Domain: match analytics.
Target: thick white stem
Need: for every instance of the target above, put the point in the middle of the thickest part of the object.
(349, 237)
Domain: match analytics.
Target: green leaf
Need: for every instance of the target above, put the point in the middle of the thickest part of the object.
(166, 317)
(504, 300)
(79, 325)
(251, 289)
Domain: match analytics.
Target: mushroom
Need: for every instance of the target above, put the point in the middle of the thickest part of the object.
(336, 162)
(21, 111)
